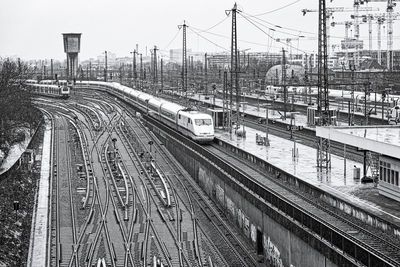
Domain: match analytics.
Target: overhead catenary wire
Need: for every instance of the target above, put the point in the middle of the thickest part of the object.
(173, 39)
(278, 26)
(277, 9)
(198, 34)
(269, 35)
(228, 37)
(215, 25)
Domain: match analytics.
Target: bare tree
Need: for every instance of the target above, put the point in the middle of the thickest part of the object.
(16, 108)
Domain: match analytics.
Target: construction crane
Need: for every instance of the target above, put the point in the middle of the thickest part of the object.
(380, 18)
(389, 19)
(366, 18)
(347, 25)
(356, 17)
(329, 15)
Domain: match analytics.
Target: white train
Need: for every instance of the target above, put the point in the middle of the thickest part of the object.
(194, 124)
(59, 91)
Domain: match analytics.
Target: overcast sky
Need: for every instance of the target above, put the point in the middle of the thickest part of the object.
(32, 29)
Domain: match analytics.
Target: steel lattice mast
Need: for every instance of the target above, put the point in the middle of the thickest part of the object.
(234, 66)
(323, 100)
(184, 59)
(323, 153)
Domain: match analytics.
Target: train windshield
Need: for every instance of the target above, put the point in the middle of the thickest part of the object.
(200, 122)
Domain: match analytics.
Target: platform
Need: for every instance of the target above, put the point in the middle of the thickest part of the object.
(382, 140)
(37, 255)
(338, 181)
(304, 166)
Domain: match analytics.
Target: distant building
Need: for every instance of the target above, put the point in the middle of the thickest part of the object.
(373, 54)
(175, 55)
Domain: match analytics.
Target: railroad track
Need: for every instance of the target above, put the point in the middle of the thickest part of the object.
(153, 198)
(205, 214)
(384, 247)
(63, 204)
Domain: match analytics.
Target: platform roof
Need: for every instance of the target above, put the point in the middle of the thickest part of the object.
(384, 140)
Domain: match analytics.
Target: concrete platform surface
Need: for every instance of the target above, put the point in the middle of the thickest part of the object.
(37, 255)
(382, 140)
(338, 181)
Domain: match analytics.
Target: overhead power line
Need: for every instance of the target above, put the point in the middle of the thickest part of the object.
(269, 35)
(173, 39)
(205, 38)
(277, 9)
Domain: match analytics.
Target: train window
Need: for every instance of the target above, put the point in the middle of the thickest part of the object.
(396, 178)
(189, 121)
(200, 122)
(384, 174)
(179, 116)
(380, 173)
(392, 176)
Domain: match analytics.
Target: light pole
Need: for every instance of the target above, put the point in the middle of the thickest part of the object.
(141, 72)
(366, 93)
(292, 123)
(293, 117)
(266, 124)
(243, 114)
(134, 65)
(105, 69)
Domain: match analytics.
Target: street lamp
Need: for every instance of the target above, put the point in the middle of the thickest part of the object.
(266, 124)
(293, 117)
(292, 123)
(134, 65)
(105, 70)
(141, 72)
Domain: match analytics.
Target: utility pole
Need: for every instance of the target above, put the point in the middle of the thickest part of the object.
(141, 72)
(162, 78)
(134, 75)
(205, 74)
(184, 59)
(224, 100)
(323, 149)
(51, 68)
(234, 64)
(366, 93)
(90, 70)
(284, 83)
(105, 70)
(155, 68)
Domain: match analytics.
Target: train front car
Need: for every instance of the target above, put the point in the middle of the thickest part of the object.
(65, 91)
(202, 127)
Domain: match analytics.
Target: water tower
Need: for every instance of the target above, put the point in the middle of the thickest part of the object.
(72, 46)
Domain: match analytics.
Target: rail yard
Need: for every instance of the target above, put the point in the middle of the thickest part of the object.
(258, 134)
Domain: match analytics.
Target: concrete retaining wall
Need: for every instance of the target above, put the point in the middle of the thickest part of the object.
(283, 242)
(334, 200)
